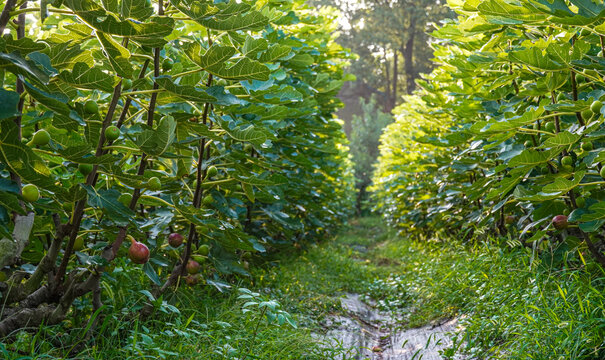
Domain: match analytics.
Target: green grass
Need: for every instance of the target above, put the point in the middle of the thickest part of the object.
(513, 305)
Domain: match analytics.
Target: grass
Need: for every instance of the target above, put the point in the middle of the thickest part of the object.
(513, 304)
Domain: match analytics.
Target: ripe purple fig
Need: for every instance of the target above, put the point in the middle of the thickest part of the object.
(138, 252)
(560, 222)
(175, 240)
(193, 267)
(192, 280)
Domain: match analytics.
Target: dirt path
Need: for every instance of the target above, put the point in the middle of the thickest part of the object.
(367, 333)
(362, 331)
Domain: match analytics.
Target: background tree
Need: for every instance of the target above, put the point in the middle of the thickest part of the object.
(365, 138)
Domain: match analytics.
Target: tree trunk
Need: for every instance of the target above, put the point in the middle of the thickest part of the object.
(408, 54)
(395, 75)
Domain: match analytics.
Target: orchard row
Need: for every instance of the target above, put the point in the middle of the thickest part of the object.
(506, 134)
(183, 135)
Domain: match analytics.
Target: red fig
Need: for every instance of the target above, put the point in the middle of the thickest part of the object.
(559, 222)
(138, 252)
(193, 267)
(175, 240)
(192, 279)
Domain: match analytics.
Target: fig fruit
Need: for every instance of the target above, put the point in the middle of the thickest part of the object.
(211, 172)
(167, 64)
(203, 250)
(125, 199)
(208, 200)
(192, 280)
(509, 219)
(91, 107)
(193, 267)
(580, 202)
(40, 138)
(175, 239)
(112, 133)
(596, 106)
(138, 252)
(602, 172)
(126, 84)
(587, 146)
(30, 193)
(566, 161)
(560, 222)
(550, 126)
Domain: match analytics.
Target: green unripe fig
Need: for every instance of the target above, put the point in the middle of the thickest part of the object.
(587, 146)
(91, 107)
(248, 255)
(85, 169)
(580, 202)
(203, 250)
(602, 172)
(30, 193)
(580, 79)
(125, 199)
(528, 144)
(587, 114)
(536, 126)
(112, 133)
(154, 184)
(600, 54)
(566, 161)
(550, 126)
(596, 106)
(167, 64)
(79, 243)
(584, 32)
(211, 172)
(248, 147)
(3, 276)
(208, 200)
(199, 258)
(126, 84)
(40, 138)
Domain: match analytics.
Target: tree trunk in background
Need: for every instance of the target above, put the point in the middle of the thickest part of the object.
(395, 75)
(408, 55)
(387, 76)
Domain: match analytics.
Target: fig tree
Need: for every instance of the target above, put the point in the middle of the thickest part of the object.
(560, 222)
(175, 240)
(154, 184)
(30, 193)
(112, 133)
(40, 138)
(91, 107)
(85, 169)
(138, 252)
(193, 267)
